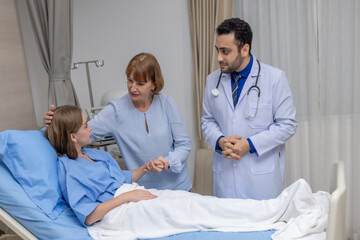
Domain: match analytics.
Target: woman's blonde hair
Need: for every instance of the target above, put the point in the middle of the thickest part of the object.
(66, 120)
(144, 67)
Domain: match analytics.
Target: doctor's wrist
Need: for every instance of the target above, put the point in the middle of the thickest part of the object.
(221, 143)
(251, 145)
(218, 144)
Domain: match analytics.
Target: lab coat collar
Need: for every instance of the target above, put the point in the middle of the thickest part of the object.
(226, 85)
(250, 81)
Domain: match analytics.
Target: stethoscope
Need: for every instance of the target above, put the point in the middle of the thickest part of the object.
(215, 92)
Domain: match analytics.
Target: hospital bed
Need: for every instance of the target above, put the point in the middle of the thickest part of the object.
(28, 221)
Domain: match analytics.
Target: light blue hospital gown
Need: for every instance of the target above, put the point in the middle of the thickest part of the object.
(167, 137)
(84, 194)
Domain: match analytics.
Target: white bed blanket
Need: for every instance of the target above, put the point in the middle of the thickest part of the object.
(296, 213)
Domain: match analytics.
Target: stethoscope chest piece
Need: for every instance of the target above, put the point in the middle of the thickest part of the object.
(215, 92)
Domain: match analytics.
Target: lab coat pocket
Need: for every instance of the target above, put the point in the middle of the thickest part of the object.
(218, 166)
(263, 164)
(263, 117)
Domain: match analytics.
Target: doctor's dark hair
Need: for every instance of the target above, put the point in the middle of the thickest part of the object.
(240, 28)
(66, 120)
(144, 67)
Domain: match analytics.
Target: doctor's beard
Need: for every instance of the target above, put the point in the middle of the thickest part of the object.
(232, 66)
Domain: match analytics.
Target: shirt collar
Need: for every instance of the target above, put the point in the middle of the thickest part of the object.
(246, 71)
(93, 154)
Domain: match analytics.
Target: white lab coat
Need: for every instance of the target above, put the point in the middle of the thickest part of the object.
(259, 175)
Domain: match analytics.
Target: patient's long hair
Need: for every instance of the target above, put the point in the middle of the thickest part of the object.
(66, 120)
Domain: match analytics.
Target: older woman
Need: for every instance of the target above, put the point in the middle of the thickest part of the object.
(147, 126)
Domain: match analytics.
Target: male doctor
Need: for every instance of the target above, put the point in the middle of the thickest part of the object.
(247, 123)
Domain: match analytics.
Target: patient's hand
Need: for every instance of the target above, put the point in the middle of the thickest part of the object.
(49, 115)
(104, 207)
(157, 165)
(137, 195)
(151, 167)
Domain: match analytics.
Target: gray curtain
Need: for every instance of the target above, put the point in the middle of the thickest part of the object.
(205, 16)
(52, 26)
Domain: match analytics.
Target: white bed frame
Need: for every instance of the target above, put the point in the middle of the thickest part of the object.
(14, 225)
(336, 221)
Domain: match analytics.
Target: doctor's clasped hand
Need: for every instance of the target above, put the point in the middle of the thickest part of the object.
(234, 147)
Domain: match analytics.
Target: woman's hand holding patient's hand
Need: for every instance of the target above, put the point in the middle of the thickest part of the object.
(157, 165)
(151, 166)
(162, 163)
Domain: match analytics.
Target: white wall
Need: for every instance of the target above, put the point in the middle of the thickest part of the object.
(115, 31)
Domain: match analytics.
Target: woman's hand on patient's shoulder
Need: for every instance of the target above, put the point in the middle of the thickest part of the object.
(49, 115)
(138, 195)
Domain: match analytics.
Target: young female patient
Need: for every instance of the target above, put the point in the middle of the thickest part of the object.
(101, 194)
(89, 177)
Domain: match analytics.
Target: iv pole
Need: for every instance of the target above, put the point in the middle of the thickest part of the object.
(98, 63)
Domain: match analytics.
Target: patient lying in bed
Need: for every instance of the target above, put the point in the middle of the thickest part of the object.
(105, 200)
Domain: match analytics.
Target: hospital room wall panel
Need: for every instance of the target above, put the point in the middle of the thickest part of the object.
(16, 103)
